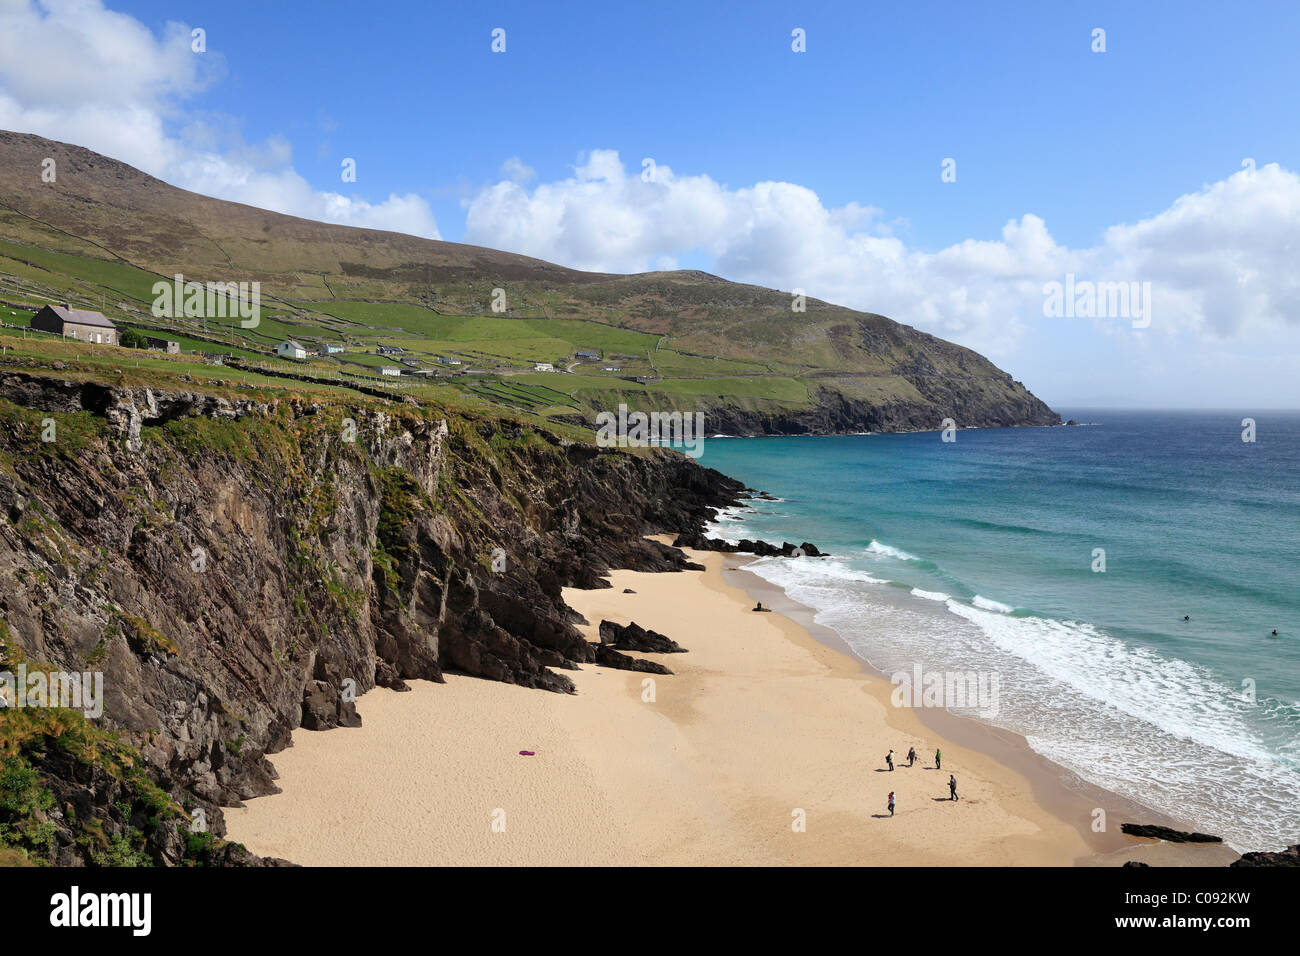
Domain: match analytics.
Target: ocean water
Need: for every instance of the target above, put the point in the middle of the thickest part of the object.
(981, 555)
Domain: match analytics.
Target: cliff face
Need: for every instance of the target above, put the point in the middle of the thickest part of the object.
(838, 414)
(237, 569)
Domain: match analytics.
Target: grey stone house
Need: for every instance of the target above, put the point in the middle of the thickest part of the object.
(80, 324)
(167, 345)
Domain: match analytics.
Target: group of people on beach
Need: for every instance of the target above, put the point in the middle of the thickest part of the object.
(911, 759)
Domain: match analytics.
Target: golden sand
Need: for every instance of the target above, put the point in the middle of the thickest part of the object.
(764, 747)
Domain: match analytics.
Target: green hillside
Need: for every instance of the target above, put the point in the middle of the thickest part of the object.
(104, 233)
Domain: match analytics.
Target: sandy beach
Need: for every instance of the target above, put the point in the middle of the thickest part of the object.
(764, 747)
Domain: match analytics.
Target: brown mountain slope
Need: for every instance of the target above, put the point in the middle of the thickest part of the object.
(734, 351)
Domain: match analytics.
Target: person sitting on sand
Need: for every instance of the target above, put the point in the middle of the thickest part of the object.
(952, 786)
(891, 803)
(911, 756)
(889, 759)
(759, 607)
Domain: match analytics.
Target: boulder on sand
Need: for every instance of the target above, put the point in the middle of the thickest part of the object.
(634, 637)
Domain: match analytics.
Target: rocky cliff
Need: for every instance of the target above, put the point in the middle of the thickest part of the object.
(238, 568)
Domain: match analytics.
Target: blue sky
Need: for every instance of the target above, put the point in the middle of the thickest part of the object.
(854, 129)
(1037, 122)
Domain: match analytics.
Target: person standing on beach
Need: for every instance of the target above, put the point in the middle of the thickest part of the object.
(938, 759)
(891, 803)
(889, 759)
(911, 756)
(952, 786)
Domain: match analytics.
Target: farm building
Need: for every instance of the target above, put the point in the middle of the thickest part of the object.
(613, 368)
(290, 349)
(392, 370)
(80, 324)
(165, 345)
(448, 360)
(587, 355)
(543, 367)
(328, 349)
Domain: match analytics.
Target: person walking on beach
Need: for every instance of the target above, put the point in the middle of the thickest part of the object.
(952, 786)
(889, 759)
(891, 803)
(911, 756)
(938, 759)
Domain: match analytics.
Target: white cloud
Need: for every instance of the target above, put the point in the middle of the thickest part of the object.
(102, 80)
(517, 171)
(1220, 261)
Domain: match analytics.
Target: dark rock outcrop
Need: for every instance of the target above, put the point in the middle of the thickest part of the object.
(324, 707)
(609, 657)
(634, 637)
(1288, 857)
(698, 541)
(1154, 832)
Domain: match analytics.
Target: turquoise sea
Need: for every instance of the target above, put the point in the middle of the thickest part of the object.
(981, 555)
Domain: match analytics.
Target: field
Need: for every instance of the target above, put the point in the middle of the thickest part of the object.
(494, 354)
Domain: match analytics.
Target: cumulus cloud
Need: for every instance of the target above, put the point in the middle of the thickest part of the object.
(1218, 260)
(103, 80)
(517, 171)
